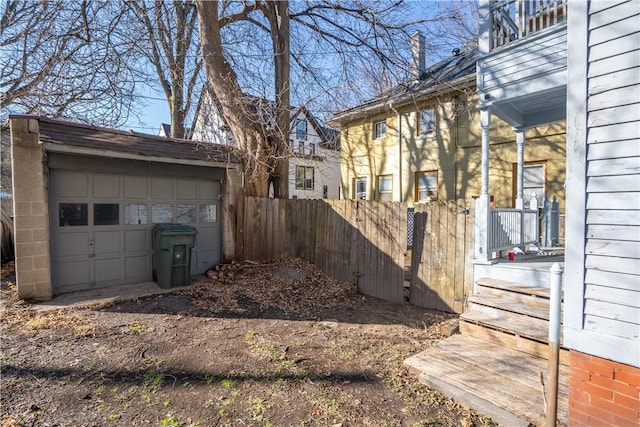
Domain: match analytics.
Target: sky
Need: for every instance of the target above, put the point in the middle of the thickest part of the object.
(157, 110)
(152, 115)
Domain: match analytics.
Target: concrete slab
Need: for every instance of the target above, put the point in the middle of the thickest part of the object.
(112, 294)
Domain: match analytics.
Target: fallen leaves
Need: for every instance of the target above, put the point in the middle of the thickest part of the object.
(291, 286)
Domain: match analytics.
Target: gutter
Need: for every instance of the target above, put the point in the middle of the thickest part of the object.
(66, 149)
(386, 104)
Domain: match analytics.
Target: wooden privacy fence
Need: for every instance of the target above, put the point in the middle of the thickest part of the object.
(366, 242)
(350, 240)
(441, 259)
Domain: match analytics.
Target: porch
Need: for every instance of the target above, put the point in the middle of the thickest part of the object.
(508, 361)
(499, 363)
(522, 79)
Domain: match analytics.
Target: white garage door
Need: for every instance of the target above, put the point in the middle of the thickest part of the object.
(102, 225)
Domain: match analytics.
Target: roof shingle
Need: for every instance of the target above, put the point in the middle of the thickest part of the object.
(68, 133)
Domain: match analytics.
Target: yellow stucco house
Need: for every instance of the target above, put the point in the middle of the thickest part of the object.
(421, 141)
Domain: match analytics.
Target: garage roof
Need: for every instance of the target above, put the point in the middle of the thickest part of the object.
(70, 134)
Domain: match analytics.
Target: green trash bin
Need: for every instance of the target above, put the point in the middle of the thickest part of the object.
(172, 245)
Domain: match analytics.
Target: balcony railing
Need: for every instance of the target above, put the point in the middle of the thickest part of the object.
(509, 228)
(513, 20)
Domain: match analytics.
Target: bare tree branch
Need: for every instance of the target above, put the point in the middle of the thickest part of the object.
(168, 46)
(66, 58)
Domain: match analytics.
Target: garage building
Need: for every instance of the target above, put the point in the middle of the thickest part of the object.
(86, 200)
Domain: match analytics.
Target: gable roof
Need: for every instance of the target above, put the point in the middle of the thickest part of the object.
(455, 73)
(265, 110)
(63, 133)
(165, 129)
(329, 136)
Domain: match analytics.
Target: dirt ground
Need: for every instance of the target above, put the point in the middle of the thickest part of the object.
(265, 345)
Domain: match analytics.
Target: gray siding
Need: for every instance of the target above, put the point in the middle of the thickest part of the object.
(529, 59)
(89, 256)
(612, 244)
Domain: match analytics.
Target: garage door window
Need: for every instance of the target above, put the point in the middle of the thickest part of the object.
(186, 214)
(106, 214)
(135, 213)
(161, 213)
(73, 214)
(208, 213)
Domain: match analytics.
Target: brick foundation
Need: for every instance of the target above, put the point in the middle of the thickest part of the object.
(602, 392)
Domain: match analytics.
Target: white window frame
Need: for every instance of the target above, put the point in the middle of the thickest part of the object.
(303, 181)
(426, 122)
(361, 195)
(301, 133)
(385, 194)
(432, 191)
(380, 129)
(528, 187)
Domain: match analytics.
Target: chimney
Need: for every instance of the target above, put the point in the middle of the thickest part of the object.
(417, 50)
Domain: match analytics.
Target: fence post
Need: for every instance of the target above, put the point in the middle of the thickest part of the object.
(554, 342)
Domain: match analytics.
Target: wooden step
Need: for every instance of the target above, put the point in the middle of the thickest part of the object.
(504, 285)
(507, 304)
(531, 300)
(529, 327)
(510, 340)
(499, 382)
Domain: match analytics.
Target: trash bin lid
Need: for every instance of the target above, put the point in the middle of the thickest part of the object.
(173, 229)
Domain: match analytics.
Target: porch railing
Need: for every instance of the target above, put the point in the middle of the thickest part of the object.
(509, 228)
(513, 20)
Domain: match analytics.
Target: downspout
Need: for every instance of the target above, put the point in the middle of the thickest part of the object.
(399, 155)
(392, 108)
(555, 315)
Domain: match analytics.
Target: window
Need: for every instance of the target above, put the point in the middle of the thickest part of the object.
(385, 188)
(380, 129)
(161, 213)
(304, 178)
(312, 148)
(533, 184)
(106, 214)
(360, 188)
(301, 130)
(325, 192)
(73, 214)
(426, 186)
(425, 122)
(135, 213)
(208, 213)
(301, 147)
(186, 214)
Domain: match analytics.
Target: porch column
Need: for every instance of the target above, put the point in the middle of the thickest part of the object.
(520, 167)
(482, 204)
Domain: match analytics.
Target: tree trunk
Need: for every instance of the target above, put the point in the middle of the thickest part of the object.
(250, 134)
(279, 27)
(177, 117)
(264, 151)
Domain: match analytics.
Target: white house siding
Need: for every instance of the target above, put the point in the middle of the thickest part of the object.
(514, 64)
(326, 166)
(209, 125)
(603, 315)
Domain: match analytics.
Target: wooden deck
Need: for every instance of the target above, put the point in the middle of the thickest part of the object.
(501, 383)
